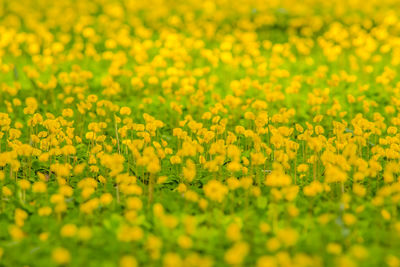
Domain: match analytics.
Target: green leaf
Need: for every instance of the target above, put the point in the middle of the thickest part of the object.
(262, 202)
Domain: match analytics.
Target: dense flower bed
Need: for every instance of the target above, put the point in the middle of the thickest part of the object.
(199, 133)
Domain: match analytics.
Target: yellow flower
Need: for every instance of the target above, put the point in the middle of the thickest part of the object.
(302, 168)
(359, 190)
(20, 216)
(313, 189)
(106, 198)
(44, 236)
(359, 252)
(44, 211)
(175, 160)
(182, 188)
(125, 111)
(162, 179)
(233, 232)
(24, 184)
(236, 254)
(128, 234)
(273, 244)
(39, 187)
(185, 242)
(288, 236)
(68, 230)
(265, 227)
(134, 203)
(189, 171)
(278, 178)
(172, 260)
(349, 219)
(128, 261)
(233, 183)
(215, 190)
(334, 248)
(386, 215)
(6, 191)
(16, 232)
(267, 261)
(68, 113)
(61, 256)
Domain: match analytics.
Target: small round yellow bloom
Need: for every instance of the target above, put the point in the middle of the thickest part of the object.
(44, 211)
(106, 198)
(185, 242)
(334, 248)
(44, 236)
(128, 261)
(61, 256)
(215, 190)
(349, 219)
(273, 244)
(69, 230)
(24, 184)
(386, 215)
(39, 187)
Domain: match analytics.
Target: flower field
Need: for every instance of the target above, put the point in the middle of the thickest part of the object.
(199, 133)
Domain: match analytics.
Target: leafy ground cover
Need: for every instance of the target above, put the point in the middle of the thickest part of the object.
(199, 133)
